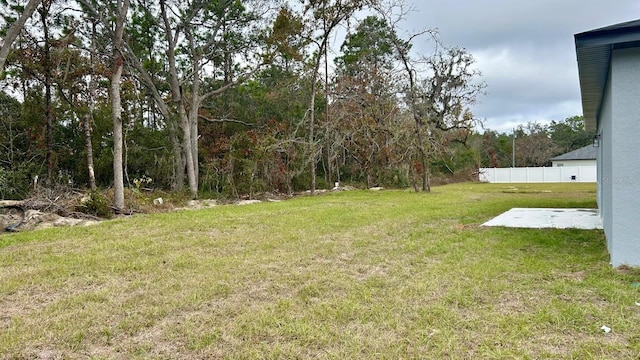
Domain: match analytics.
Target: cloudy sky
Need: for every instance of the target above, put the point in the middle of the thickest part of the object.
(524, 49)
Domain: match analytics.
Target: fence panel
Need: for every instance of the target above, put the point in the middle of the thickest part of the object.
(538, 174)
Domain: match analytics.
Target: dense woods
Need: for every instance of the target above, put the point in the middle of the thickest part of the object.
(232, 98)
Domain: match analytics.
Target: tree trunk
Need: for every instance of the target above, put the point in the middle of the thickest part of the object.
(312, 146)
(326, 118)
(426, 186)
(424, 161)
(193, 145)
(118, 175)
(14, 31)
(89, 149)
(178, 100)
(178, 159)
(312, 108)
(88, 119)
(193, 119)
(412, 171)
(48, 113)
(186, 143)
(118, 65)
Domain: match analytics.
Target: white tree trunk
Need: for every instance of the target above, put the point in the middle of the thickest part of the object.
(186, 142)
(178, 100)
(118, 65)
(193, 123)
(193, 116)
(118, 176)
(88, 119)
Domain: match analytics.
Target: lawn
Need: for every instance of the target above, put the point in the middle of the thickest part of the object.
(351, 275)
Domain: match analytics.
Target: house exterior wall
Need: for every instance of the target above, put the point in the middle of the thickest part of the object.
(605, 188)
(558, 163)
(620, 178)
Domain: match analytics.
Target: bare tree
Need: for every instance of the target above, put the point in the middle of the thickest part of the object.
(534, 146)
(439, 103)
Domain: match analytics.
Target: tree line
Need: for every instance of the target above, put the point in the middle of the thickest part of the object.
(233, 98)
(532, 144)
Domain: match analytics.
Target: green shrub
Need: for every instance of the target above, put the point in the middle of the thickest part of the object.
(15, 184)
(97, 204)
(394, 178)
(302, 182)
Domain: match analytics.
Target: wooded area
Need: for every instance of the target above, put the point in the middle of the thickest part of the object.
(233, 98)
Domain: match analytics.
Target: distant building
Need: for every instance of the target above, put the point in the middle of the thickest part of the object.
(585, 156)
(609, 72)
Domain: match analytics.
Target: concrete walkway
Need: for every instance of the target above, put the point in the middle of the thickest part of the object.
(539, 218)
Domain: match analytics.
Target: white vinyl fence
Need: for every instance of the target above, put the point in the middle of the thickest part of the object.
(538, 174)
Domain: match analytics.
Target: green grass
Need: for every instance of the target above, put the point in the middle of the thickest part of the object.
(390, 274)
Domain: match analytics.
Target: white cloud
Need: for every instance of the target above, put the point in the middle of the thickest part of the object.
(525, 85)
(525, 50)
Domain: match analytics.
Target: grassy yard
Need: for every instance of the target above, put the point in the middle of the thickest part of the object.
(352, 275)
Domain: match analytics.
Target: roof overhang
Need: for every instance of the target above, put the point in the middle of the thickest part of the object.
(593, 50)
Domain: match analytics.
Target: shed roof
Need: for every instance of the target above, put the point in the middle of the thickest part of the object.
(584, 153)
(593, 50)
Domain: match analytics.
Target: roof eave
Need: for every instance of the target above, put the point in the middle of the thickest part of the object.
(593, 51)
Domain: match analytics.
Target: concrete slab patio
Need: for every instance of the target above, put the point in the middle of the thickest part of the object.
(539, 218)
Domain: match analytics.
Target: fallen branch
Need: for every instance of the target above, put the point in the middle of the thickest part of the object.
(43, 206)
(11, 204)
